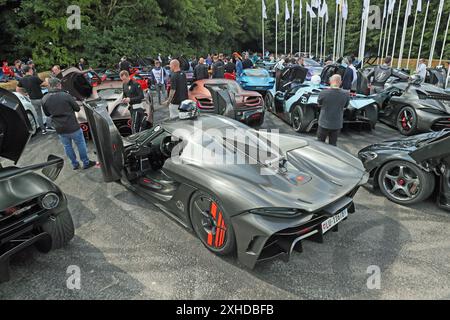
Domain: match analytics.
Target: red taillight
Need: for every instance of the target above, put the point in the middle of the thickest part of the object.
(306, 230)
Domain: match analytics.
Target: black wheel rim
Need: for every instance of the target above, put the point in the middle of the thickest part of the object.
(269, 102)
(402, 183)
(406, 120)
(209, 222)
(296, 119)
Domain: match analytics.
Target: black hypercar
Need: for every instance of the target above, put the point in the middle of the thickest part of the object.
(235, 199)
(33, 210)
(414, 108)
(408, 171)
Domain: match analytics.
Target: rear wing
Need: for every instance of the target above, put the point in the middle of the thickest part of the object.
(51, 169)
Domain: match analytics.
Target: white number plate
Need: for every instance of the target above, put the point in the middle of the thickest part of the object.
(334, 220)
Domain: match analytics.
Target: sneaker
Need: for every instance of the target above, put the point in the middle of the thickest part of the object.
(90, 165)
(76, 168)
(44, 131)
(49, 129)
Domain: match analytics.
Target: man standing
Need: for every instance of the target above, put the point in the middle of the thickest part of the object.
(61, 107)
(422, 70)
(159, 77)
(381, 74)
(178, 89)
(31, 85)
(355, 74)
(218, 68)
(332, 103)
(348, 75)
(56, 72)
(124, 65)
(17, 69)
(201, 70)
(133, 96)
(247, 63)
(82, 64)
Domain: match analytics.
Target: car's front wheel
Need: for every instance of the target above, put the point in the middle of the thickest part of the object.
(211, 224)
(407, 121)
(301, 118)
(405, 183)
(33, 123)
(268, 102)
(61, 230)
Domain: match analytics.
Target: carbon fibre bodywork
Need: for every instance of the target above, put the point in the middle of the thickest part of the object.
(22, 213)
(430, 105)
(428, 151)
(305, 181)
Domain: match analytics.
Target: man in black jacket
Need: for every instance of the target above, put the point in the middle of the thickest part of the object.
(61, 107)
(380, 74)
(218, 68)
(133, 96)
(201, 70)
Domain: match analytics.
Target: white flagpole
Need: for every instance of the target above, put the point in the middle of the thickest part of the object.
(384, 50)
(405, 27)
(317, 33)
(325, 38)
(436, 30)
(412, 39)
(445, 38)
(276, 34)
(365, 23)
(339, 34)
(306, 28)
(335, 30)
(292, 26)
(423, 32)
(321, 39)
(310, 35)
(262, 21)
(448, 75)
(300, 28)
(390, 31)
(285, 36)
(381, 32)
(396, 29)
(343, 37)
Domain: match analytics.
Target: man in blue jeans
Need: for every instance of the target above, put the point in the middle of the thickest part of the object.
(61, 107)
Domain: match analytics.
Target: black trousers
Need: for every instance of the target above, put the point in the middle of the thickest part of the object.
(137, 115)
(332, 135)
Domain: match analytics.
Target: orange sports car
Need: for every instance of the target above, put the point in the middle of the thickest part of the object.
(226, 97)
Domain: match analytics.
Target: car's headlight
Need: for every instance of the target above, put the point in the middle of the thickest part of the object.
(277, 212)
(49, 201)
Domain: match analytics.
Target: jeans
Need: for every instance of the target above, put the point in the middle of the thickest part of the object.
(137, 116)
(332, 135)
(77, 137)
(160, 91)
(37, 104)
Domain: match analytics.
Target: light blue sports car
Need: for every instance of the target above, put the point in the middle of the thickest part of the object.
(256, 80)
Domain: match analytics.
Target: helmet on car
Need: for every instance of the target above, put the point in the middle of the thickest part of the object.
(188, 110)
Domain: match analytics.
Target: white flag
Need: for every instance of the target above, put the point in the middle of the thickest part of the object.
(384, 10)
(301, 9)
(287, 15)
(419, 6)
(409, 8)
(345, 10)
(277, 7)
(315, 3)
(311, 12)
(264, 10)
(391, 6)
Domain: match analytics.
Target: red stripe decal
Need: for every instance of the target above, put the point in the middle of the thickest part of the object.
(213, 209)
(210, 239)
(218, 229)
(222, 238)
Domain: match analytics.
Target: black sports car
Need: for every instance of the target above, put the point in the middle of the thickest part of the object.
(33, 210)
(414, 108)
(234, 200)
(408, 171)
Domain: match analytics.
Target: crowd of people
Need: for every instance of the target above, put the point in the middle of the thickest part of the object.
(56, 110)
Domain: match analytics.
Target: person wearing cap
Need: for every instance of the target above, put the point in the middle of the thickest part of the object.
(61, 107)
(31, 64)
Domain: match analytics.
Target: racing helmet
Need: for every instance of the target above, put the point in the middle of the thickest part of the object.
(315, 80)
(188, 110)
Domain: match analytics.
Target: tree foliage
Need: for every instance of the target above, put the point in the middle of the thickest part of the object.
(111, 28)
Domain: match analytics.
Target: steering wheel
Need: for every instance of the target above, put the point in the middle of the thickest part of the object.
(166, 146)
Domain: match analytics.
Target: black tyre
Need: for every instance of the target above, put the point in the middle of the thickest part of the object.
(61, 231)
(32, 122)
(269, 102)
(301, 117)
(405, 183)
(407, 121)
(211, 224)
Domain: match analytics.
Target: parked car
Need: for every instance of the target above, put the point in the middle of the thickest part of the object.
(410, 170)
(306, 191)
(256, 80)
(226, 97)
(414, 107)
(33, 209)
(30, 111)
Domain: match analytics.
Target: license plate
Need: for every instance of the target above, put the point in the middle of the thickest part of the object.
(334, 220)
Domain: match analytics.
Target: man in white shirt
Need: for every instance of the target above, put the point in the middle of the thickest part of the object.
(422, 69)
(159, 78)
(355, 75)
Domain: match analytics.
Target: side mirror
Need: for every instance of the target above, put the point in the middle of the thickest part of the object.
(54, 167)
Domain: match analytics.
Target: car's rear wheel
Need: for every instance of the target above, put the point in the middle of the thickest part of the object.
(268, 102)
(407, 121)
(405, 183)
(32, 122)
(301, 118)
(60, 229)
(212, 224)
